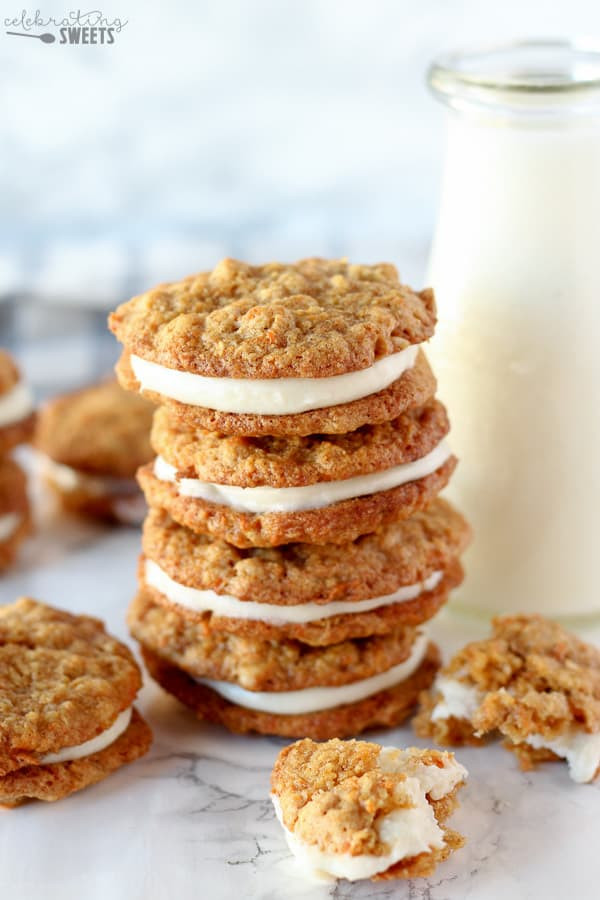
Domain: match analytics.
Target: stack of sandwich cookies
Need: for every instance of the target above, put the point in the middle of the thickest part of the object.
(17, 419)
(66, 703)
(294, 549)
(91, 443)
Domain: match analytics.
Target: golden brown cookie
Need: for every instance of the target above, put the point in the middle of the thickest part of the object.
(15, 515)
(282, 462)
(385, 709)
(262, 665)
(55, 781)
(93, 441)
(338, 523)
(413, 388)
(313, 319)
(66, 694)
(402, 553)
(356, 810)
(17, 418)
(531, 681)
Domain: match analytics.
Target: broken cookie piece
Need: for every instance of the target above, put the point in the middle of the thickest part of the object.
(356, 810)
(531, 681)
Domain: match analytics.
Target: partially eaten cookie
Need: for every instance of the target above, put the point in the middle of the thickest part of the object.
(356, 810)
(531, 681)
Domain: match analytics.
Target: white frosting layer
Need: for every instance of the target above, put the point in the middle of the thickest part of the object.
(407, 831)
(15, 404)
(271, 396)
(231, 607)
(314, 699)
(8, 525)
(459, 700)
(95, 745)
(69, 479)
(311, 496)
(580, 749)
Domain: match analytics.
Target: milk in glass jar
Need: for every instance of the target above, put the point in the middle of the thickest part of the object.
(516, 269)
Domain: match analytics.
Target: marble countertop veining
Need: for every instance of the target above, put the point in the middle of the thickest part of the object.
(194, 820)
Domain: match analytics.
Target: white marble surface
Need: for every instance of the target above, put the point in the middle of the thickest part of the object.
(193, 819)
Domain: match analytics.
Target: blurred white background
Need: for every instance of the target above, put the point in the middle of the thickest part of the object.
(257, 128)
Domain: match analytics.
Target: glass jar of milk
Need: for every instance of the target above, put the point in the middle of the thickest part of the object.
(516, 269)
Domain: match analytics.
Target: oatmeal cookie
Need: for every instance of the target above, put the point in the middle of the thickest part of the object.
(15, 514)
(531, 681)
(355, 810)
(17, 417)
(66, 695)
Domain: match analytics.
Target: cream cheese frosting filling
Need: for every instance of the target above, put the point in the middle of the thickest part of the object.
(407, 831)
(311, 496)
(271, 396)
(315, 699)
(15, 404)
(8, 525)
(70, 479)
(94, 745)
(459, 700)
(226, 605)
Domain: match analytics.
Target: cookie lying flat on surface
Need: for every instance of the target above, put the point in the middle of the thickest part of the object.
(15, 515)
(17, 417)
(66, 695)
(275, 339)
(319, 594)
(93, 441)
(533, 682)
(355, 810)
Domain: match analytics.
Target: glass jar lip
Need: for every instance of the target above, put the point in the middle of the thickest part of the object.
(540, 75)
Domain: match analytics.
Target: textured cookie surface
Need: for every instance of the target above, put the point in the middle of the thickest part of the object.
(298, 461)
(332, 797)
(531, 677)
(53, 782)
(402, 553)
(63, 680)
(385, 709)
(261, 665)
(413, 388)
(315, 318)
(339, 523)
(99, 430)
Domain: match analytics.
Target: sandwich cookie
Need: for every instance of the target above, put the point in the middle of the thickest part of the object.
(318, 489)
(356, 810)
(92, 442)
(319, 594)
(15, 515)
(66, 703)
(286, 687)
(264, 349)
(17, 417)
(531, 682)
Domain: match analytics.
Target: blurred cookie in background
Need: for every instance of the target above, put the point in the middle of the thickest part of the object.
(17, 417)
(92, 441)
(15, 515)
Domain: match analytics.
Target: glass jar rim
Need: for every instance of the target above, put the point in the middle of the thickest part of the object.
(536, 75)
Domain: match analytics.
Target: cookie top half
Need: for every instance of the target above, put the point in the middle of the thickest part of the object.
(101, 430)
(63, 680)
(313, 319)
